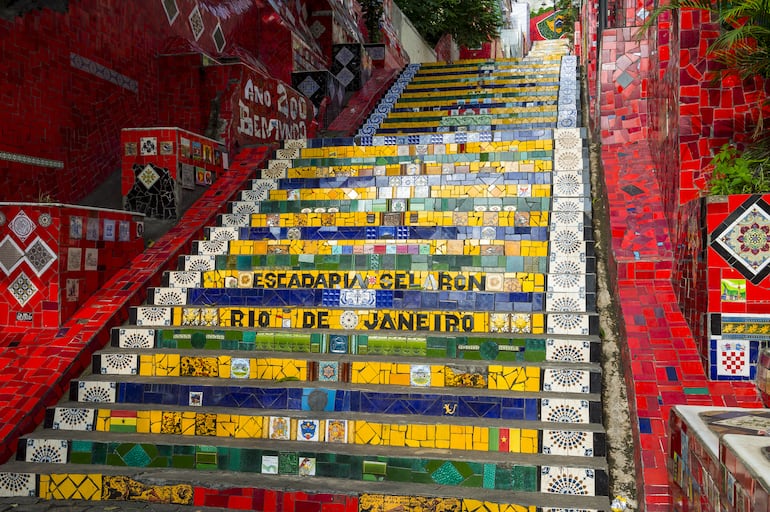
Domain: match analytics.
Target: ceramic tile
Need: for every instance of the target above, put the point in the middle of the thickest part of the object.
(566, 480)
(167, 296)
(118, 364)
(152, 316)
(135, 337)
(199, 263)
(92, 391)
(567, 350)
(13, 485)
(50, 451)
(184, 279)
(568, 442)
(68, 418)
(564, 410)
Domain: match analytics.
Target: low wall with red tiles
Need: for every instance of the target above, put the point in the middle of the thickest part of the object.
(54, 257)
(37, 365)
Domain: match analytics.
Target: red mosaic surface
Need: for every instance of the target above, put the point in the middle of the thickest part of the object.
(56, 256)
(661, 350)
(102, 74)
(172, 148)
(36, 365)
(267, 500)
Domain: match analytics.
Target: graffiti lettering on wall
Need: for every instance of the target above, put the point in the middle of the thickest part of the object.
(270, 111)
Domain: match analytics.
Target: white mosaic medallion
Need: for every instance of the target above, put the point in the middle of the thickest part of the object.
(199, 263)
(568, 351)
(22, 226)
(567, 323)
(169, 296)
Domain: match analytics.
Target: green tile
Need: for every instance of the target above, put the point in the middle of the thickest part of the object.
(80, 457)
(288, 463)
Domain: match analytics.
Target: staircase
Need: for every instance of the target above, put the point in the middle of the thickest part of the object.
(403, 320)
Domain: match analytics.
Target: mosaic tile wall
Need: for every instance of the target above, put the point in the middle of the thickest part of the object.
(162, 165)
(738, 239)
(54, 257)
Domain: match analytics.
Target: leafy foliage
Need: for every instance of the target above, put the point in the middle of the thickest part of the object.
(372, 11)
(737, 174)
(471, 22)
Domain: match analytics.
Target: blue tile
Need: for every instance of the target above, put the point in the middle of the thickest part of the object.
(645, 427)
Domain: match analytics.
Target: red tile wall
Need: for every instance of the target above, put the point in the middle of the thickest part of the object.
(54, 111)
(65, 285)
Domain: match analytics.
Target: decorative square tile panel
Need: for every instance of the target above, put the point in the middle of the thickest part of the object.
(148, 176)
(567, 350)
(69, 418)
(278, 427)
(102, 392)
(743, 239)
(328, 371)
(269, 465)
(420, 375)
(199, 263)
(148, 146)
(732, 358)
(336, 431)
(22, 226)
(568, 442)
(14, 485)
(308, 430)
(23, 289)
(169, 296)
(11, 255)
(564, 410)
(47, 451)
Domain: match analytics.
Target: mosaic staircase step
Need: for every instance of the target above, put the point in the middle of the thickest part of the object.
(251, 491)
(523, 205)
(561, 319)
(456, 402)
(511, 436)
(481, 347)
(418, 473)
(185, 448)
(459, 109)
(351, 370)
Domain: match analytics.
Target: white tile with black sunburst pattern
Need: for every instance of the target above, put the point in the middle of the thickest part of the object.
(152, 315)
(568, 442)
(184, 279)
(118, 364)
(569, 184)
(17, 485)
(96, 391)
(223, 233)
(235, 220)
(566, 380)
(212, 247)
(568, 323)
(72, 418)
(565, 302)
(567, 350)
(287, 153)
(567, 160)
(46, 451)
(567, 138)
(566, 480)
(136, 337)
(199, 263)
(564, 410)
(244, 207)
(167, 296)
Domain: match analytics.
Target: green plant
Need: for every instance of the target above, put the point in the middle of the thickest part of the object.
(372, 12)
(734, 173)
(471, 22)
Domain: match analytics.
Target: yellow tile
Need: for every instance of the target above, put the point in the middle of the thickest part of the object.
(188, 423)
(143, 422)
(529, 442)
(146, 365)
